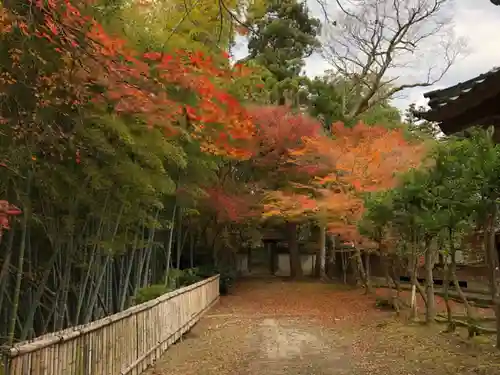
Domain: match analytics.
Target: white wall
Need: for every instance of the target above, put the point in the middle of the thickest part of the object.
(242, 263)
(283, 266)
(307, 261)
(459, 257)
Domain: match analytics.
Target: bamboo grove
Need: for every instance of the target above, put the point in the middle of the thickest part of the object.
(110, 152)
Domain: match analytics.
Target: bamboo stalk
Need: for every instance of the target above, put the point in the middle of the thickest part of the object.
(4, 270)
(20, 265)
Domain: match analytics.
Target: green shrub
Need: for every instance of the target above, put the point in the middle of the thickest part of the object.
(180, 278)
(150, 292)
(227, 276)
(189, 276)
(172, 278)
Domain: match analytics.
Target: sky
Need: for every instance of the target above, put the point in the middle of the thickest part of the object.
(475, 20)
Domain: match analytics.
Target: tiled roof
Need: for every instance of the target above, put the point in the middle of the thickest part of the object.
(441, 98)
(473, 102)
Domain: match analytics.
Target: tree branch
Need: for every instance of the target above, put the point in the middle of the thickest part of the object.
(377, 38)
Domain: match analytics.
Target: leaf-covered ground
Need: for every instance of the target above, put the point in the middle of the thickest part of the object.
(298, 328)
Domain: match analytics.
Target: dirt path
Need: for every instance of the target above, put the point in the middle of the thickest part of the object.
(285, 328)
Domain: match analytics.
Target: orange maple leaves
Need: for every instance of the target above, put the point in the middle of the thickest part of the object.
(97, 68)
(6, 211)
(346, 164)
(365, 157)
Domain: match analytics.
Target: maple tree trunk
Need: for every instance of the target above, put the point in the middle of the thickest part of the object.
(317, 257)
(343, 259)
(430, 311)
(416, 287)
(446, 287)
(471, 318)
(393, 294)
(321, 257)
(293, 248)
(331, 256)
(368, 273)
(361, 271)
(353, 276)
(317, 265)
(330, 264)
(249, 260)
(394, 275)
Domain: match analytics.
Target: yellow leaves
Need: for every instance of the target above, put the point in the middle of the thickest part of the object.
(15, 55)
(5, 21)
(271, 212)
(257, 8)
(288, 204)
(6, 78)
(183, 24)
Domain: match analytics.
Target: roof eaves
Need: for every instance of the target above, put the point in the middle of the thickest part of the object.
(453, 92)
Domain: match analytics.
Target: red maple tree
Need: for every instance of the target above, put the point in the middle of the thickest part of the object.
(279, 131)
(350, 162)
(95, 68)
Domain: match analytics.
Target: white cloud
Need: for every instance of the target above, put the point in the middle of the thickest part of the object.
(477, 21)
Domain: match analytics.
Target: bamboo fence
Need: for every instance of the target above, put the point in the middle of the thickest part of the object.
(126, 343)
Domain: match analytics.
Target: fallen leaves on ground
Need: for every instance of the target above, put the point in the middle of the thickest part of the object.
(307, 328)
(324, 302)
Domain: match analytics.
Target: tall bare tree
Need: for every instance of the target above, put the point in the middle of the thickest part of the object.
(382, 47)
